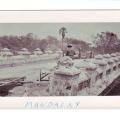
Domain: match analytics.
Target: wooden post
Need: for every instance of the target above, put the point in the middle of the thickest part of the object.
(79, 53)
(40, 74)
(62, 47)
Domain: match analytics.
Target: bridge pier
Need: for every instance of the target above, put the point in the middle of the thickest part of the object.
(65, 79)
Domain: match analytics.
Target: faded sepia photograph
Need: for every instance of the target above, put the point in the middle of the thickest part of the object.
(60, 59)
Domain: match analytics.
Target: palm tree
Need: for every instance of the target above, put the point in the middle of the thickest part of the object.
(62, 32)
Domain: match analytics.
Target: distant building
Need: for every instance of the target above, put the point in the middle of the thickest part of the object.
(37, 51)
(48, 51)
(24, 51)
(6, 52)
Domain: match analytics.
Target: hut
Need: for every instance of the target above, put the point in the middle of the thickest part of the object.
(6, 52)
(37, 51)
(24, 51)
(48, 51)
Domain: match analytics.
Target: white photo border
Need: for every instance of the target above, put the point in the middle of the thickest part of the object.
(60, 16)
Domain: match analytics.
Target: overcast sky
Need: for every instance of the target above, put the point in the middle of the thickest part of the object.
(84, 31)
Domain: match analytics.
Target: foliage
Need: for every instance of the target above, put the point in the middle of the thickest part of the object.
(107, 42)
(28, 41)
(32, 42)
(78, 44)
(62, 32)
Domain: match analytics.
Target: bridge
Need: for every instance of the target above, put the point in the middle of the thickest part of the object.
(67, 77)
(95, 76)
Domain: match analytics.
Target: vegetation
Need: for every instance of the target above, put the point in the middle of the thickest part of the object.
(28, 41)
(31, 42)
(62, 32)
(107, 42)
(78, 44)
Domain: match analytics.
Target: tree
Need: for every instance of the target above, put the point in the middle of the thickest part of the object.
(43, 44)
(62, 32)
(106, 42)
(53, 43)
(77, 43)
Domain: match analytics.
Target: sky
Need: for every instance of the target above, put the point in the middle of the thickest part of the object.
(83, 31)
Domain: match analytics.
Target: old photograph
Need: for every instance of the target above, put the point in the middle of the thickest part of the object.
(59, 59)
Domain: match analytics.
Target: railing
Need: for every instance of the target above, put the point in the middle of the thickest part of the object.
(109, 74)
(97, 81)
